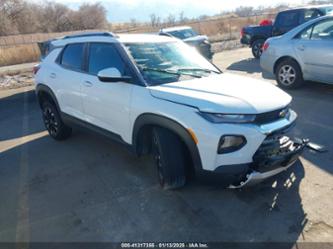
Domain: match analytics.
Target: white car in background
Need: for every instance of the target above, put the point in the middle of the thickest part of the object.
(304, 53)
(157, 95)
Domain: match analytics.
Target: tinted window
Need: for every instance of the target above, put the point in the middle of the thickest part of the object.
(104, 55)
(323, 31)
(183, 34)
(73, 56)
(288, 19)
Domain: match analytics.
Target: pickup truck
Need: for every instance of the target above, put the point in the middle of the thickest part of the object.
(255, 36)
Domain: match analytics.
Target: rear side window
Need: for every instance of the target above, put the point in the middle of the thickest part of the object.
(288, 19)
(72, 56)
(104, 55)
(310, 14)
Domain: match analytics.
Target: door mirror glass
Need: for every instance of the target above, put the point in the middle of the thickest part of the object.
(112, 74)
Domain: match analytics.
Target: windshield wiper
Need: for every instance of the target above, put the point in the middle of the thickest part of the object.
(206, 70)
(179, 73)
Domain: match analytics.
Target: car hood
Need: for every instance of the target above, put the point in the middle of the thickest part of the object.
(224, 93)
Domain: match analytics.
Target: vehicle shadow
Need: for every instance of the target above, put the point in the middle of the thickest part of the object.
(250, 66)
(15, 114)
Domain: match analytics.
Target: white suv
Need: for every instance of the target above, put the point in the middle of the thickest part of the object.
(158, 95)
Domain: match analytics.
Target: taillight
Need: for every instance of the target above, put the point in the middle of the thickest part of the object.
(35, 68)
(265, 46)
(242, 32)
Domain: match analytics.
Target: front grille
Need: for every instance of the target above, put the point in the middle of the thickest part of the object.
(270, 117)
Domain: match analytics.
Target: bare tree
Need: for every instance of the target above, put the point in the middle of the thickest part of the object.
(182, 17)
(244, 11)
(171, 19)
(90, 16)
(133, 22)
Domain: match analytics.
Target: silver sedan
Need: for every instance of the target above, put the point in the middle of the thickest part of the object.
(304, 53)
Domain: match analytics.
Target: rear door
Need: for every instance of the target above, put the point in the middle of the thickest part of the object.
(315, 49)
(67, 78)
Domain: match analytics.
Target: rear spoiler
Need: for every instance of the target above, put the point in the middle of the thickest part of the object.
(45, 48)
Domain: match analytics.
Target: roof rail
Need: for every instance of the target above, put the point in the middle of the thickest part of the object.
(87, 34)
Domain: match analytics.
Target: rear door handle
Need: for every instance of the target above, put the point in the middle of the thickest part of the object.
(53, 75)
(87, 83)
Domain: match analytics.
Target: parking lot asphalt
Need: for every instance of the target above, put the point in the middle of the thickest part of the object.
(89, 188)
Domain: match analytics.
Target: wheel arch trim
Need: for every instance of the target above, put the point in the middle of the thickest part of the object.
(40, 88)
(172, 125)
(285, 57)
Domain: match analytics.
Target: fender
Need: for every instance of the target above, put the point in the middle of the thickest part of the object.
(181, 131)
(40, 88)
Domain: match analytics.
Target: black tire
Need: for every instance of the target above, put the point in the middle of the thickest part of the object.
(53, 123)
(169, 156)
(289, 74)
(257, 48)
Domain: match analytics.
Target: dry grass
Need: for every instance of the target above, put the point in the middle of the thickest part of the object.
(11, 55)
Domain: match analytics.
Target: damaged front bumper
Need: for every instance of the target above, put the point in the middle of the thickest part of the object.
(276, 154)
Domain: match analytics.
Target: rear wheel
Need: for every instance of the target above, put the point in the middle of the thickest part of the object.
(257, 48)
(169, 156)
(53, 123)
(289, 74)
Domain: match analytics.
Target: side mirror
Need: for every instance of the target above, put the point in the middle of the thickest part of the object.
(112, 74)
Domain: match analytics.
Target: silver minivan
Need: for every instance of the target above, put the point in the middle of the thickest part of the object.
(304, 53)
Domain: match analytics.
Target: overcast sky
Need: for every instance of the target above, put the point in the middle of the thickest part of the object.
(124, 10)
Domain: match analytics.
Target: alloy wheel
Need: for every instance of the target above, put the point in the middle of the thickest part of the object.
(287, 75)
(50, 121)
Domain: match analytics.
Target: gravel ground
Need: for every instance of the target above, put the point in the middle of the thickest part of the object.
(8, 81)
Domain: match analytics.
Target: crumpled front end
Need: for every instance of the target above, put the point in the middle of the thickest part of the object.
(276, 154)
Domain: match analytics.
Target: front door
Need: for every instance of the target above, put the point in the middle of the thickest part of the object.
(106, 104)
(315, 50)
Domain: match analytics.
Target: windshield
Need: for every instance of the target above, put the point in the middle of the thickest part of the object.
(327, 10)
(168, 62)
(183, 34)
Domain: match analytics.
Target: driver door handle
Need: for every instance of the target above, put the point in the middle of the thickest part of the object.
(87, 83)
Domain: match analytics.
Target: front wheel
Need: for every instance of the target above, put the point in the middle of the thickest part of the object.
(169, 156)
(289, 74)
(257, 48)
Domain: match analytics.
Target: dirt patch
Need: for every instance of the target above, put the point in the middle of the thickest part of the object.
(12, 81)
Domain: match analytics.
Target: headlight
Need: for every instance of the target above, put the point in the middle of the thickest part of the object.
(228, 118)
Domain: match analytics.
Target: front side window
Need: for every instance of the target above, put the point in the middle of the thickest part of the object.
(104, 55)
(167, 62)
(72, 56)
(323, 31)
